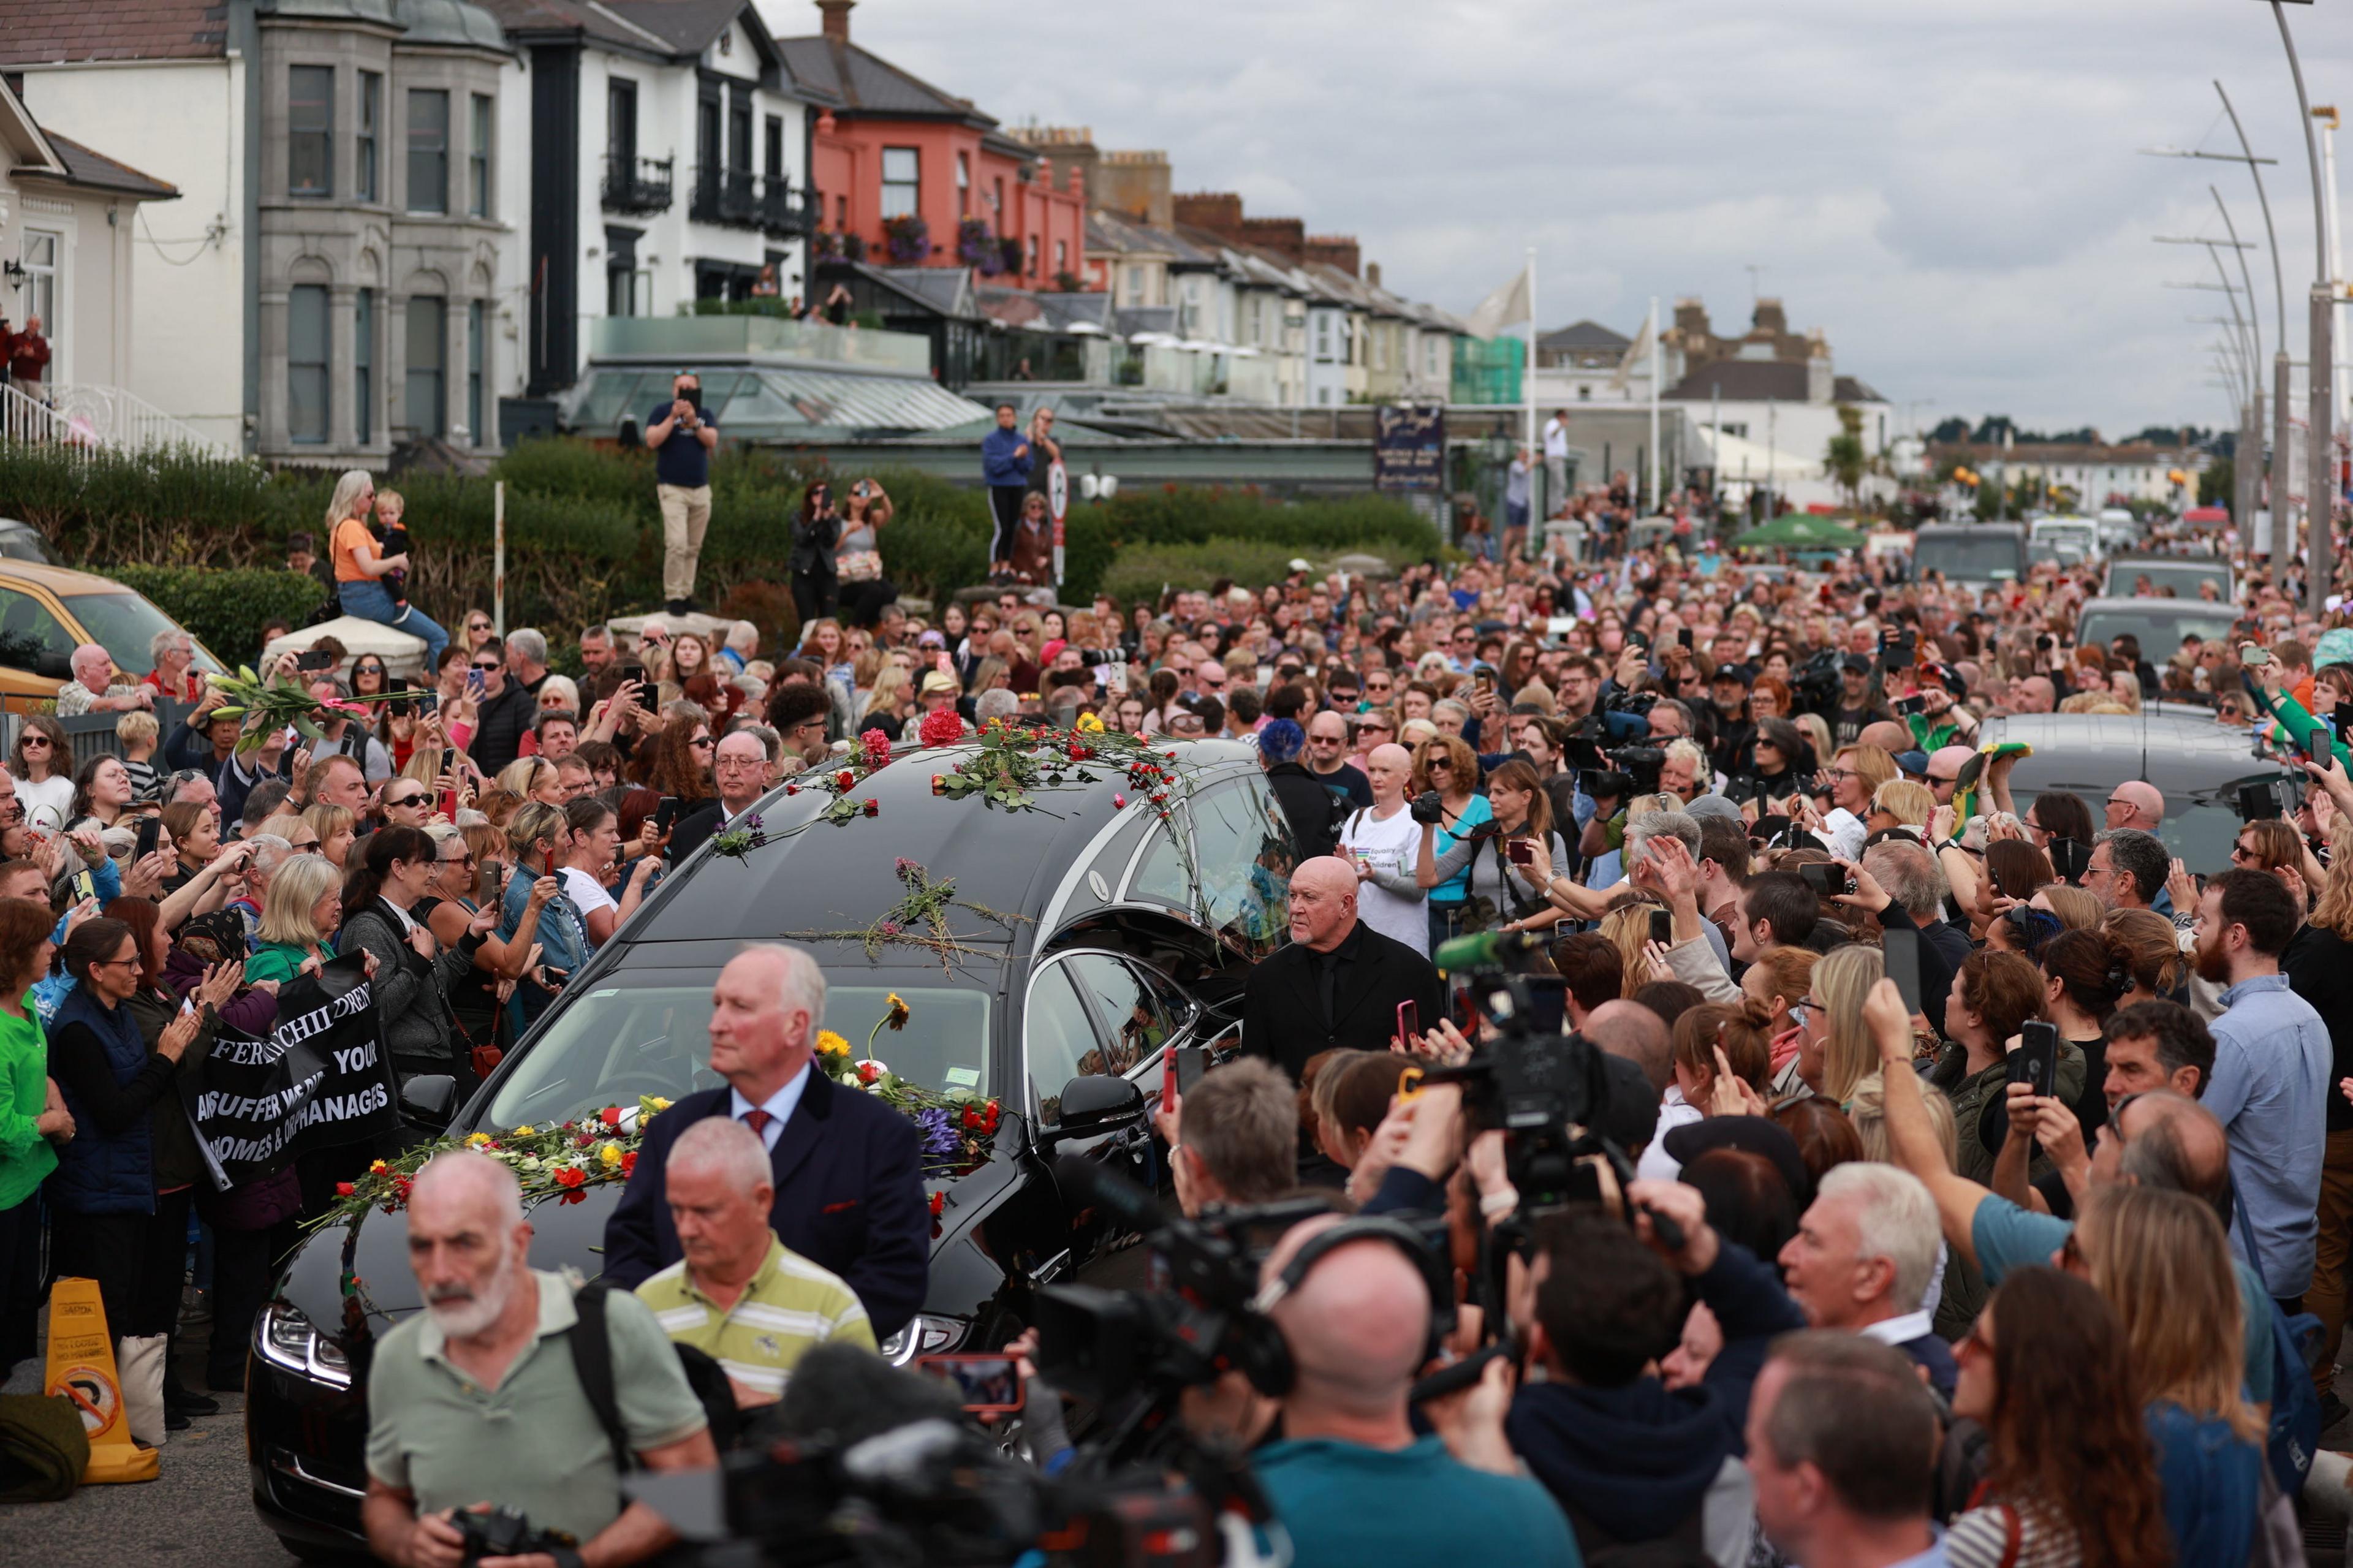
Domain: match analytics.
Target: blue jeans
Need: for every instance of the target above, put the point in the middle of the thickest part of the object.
(370, 603)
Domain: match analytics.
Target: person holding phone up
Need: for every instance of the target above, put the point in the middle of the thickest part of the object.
(683, 437)
(1509, 868)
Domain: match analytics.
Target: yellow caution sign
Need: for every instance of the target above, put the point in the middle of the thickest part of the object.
(81, 1368)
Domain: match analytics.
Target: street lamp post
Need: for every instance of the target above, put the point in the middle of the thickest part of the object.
(2321, 438)
(2283, 537)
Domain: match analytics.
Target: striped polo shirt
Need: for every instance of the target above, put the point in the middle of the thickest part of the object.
(789, 1306)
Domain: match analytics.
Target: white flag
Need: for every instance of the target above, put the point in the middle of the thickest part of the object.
(1636, 356)
(1507, 306)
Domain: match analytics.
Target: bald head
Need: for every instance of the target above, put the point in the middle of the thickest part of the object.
(1388, 769)
(1887, 735)
(2136, 802)
(2170, 1141)
(462, 1182)
(1945, 765)
(1356, 1324)
(1322, 902)
(1631, 1030)
(2035, 694)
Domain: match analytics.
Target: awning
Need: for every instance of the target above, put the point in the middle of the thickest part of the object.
(770, 402)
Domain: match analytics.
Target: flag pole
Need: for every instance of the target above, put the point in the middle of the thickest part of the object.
(1658, 501)
(1537, 510)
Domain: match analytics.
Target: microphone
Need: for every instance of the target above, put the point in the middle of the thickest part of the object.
(1485, 948)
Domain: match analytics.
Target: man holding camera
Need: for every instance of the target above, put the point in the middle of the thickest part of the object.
(1338, 983)
(477, 1399)
(1350, 1481)
(682, 437)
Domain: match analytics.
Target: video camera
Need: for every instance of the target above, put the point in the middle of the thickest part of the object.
(1815, 683)
(1584, 750)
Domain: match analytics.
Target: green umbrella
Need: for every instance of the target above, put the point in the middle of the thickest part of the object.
(1800, 531)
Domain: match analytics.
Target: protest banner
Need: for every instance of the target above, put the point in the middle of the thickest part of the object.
(321, 1078)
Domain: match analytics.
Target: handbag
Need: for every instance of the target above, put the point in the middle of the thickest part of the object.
(859, 565)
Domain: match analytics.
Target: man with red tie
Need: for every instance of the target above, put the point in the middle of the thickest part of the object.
(849, 1169)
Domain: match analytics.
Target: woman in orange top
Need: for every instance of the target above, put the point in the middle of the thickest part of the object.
(360, 564)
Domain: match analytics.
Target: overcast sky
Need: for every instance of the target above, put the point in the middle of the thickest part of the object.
(1952, 193)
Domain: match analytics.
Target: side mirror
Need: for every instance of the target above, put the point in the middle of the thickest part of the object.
(428, 1099)
(1093, 1106)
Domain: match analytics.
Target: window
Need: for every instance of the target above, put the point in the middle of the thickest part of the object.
(1429, 356)
(621, 124)
(478, 159)
(1061, 257)
(739, 134)
(311, 131)
(964, 184)
(31, 638)
(1033, 255)
(306, 362)
(477, 351)
(1245, 861)
(41, 253)
(1134, 284)
(621, 270)
(422, 400)
(998, 200)
(363, 366)
(429, 150)
(1139, 1023)
(1059, 1037)
(706, 137)
(772, 162)
(902, 181)
(1322, 336)
(364, 175)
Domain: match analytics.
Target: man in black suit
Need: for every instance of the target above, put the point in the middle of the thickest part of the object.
(849, 1169)
(1338, 983)
(740, 767)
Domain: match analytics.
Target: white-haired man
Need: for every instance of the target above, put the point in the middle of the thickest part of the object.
(86, 692)
(738, 1296)
(846, 1168)
(1863, 1261)
(495, 1339)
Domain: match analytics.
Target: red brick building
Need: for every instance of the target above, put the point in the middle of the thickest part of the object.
(909, 174)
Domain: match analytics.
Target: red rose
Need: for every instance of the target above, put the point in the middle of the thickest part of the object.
(610, 1116)
(939, 1201)
(845, 778)
(792, 788)
(939, 783)
(573, 1199)
(868, 1072)
(993, 1114)
(1119, 803)
(570, 1176)
(974, 1120)
(877, 747)
(343, 1189)
(873, 808)
(629, 1161)
(940, 729)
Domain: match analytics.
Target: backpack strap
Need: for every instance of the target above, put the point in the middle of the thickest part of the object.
(592, 1359)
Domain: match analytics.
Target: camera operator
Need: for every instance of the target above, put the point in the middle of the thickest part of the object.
(497, 1338)
(1629, 1460)
(1349, 1480)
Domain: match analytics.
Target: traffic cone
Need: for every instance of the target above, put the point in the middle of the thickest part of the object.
(81, 1368)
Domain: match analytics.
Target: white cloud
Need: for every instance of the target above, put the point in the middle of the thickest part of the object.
(1952, 193)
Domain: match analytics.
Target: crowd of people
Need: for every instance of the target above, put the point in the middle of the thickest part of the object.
(1862, 1293)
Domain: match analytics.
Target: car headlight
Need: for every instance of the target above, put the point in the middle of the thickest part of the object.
(923, 1335)
(286, 1338)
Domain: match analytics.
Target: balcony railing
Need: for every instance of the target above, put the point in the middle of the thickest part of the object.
(637, 185)
(739, 198)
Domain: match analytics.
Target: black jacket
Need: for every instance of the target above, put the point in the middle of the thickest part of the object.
(850, 1197)
(1282, 1000)
(500, 725)
(1310, 806)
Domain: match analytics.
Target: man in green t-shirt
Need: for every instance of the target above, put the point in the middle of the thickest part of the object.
(476, 1399)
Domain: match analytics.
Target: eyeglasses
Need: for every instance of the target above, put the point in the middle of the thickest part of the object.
(307, 846)
(491, 664)
(29, 741)
(110, 963)
(455, 860)
(477, 626)
(2241, 852)
(405, 800)
(699, 742)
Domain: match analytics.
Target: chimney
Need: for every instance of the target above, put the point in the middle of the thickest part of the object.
(837, 19)
(1334, 250)
(1373, 273)
(1819, 381)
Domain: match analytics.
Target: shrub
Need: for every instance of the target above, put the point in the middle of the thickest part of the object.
(225, 609)
(1138, 576)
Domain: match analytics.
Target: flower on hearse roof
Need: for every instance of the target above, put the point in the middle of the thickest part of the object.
(830, 1044)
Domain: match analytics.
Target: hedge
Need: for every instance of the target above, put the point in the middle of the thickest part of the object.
(584, 529)
(224, 608)
(1140, 575)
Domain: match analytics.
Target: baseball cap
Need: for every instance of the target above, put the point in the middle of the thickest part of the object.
(1299, 563)
(1716, 806)
(941, 681)
(1856, 662)
(1913, 764)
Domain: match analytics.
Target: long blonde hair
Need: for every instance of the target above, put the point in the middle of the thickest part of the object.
(2075, 909)
(2162, 1261)
(354, 483)
(1868, 1111)
(1840, 983)
(1627, 927)
(2334, 913)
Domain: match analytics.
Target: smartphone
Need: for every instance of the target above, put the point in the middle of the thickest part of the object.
(666, 813)
(474, 682)
(989, 1384)
(1189, 1062)
(1827, 880)
(85, 886)
(314, 663)
(1521, 852)
(1483, 679)
(150, 829)
(1899, 952)
(2036, 1061)
(1683, 636)
(1911, 705)
(1663, 927)
(2253, 655)
(1408, 1021)
(635, 672)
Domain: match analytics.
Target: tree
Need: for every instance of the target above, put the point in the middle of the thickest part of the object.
(1950, 430)
(2218, 485)
(1845, 455)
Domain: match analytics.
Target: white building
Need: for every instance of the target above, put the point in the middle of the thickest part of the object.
(669, 165)
(343, 271)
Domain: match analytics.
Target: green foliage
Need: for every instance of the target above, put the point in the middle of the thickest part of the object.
(1140, 575)
(225, 609)
(2218, 485)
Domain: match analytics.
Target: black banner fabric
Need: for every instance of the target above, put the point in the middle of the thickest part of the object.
(321, 1078)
